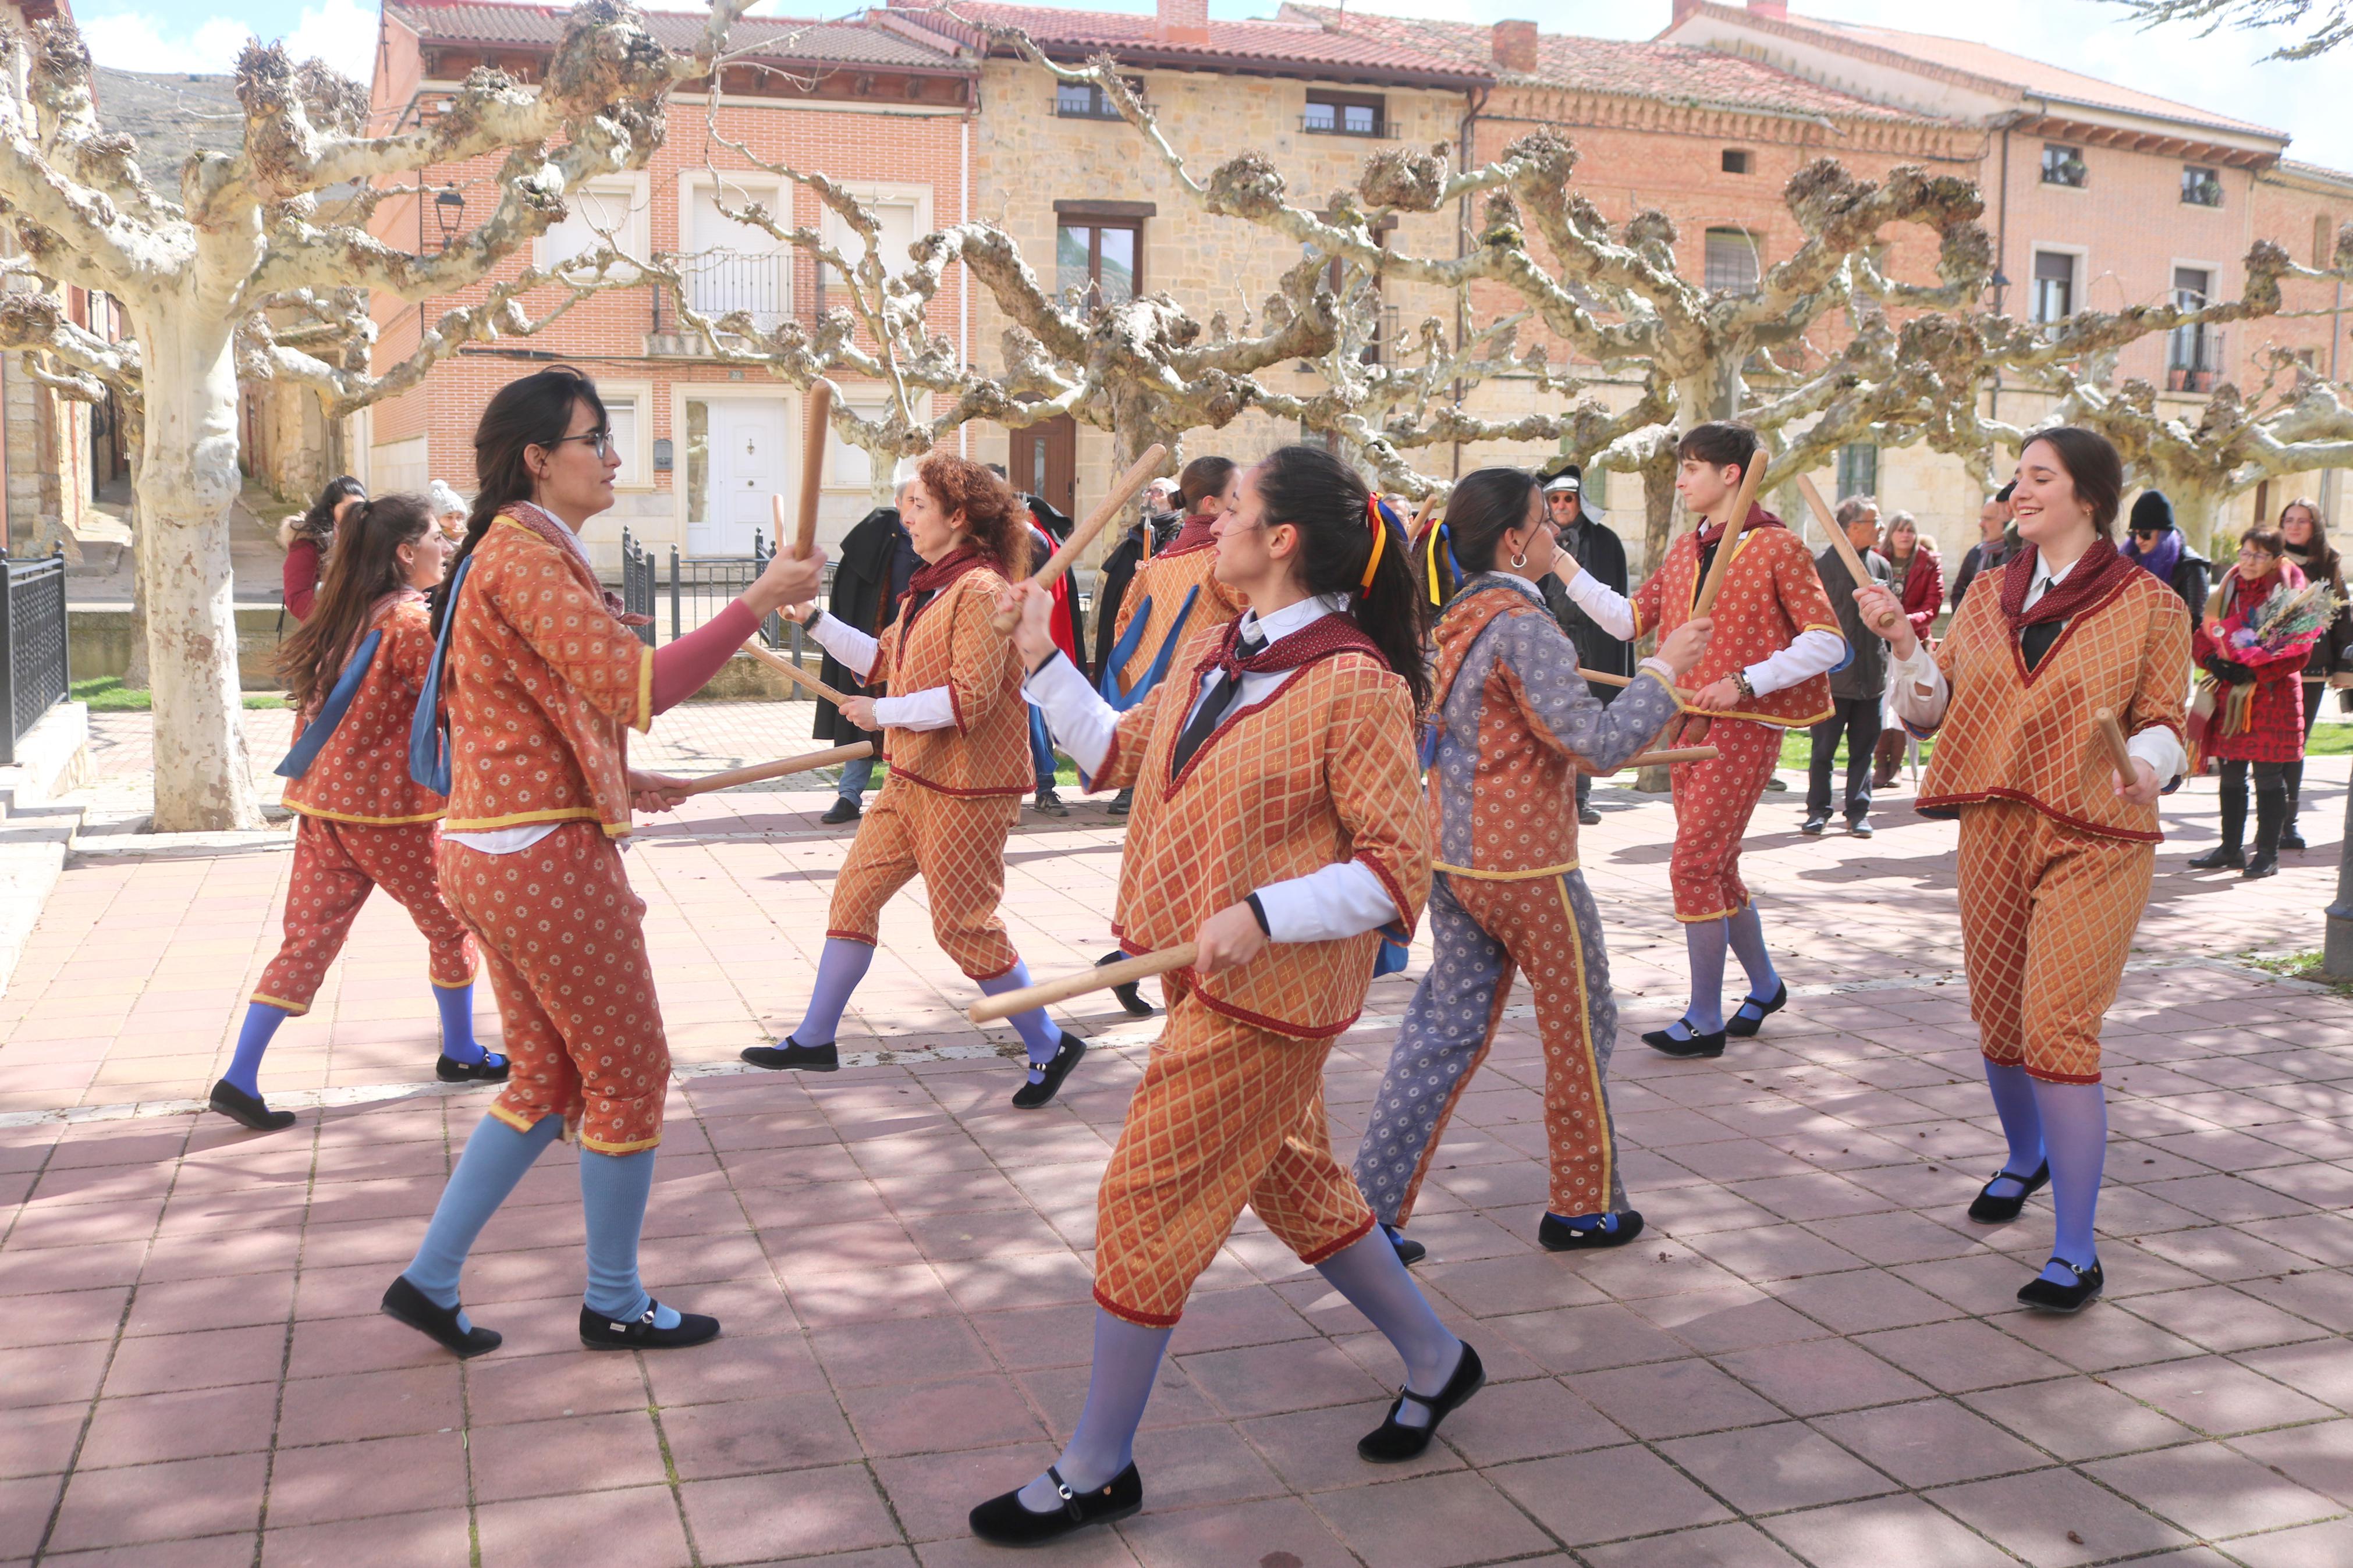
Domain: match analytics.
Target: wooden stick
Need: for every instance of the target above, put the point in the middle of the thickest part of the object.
(778, 770)
(1751, 472)
(1606, 679)
(1422, 515)
(1855, 571)
(988, 1009)
(1659, 759)
(794, 673)
(2112, 737)
(820, 420)
(1138, 475)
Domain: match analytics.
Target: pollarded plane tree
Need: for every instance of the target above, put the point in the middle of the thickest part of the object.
(240, 272)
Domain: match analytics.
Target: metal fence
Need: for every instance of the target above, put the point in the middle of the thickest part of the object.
(33, 670)
(682, 595)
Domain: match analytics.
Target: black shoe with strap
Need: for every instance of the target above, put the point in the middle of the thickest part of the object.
(1031, 1095)
(1750, 1016)
(247, 1110)
(1691, 1043)
(1130, 999)
(1557, 1235)
(405, 1303)
(790, 1053)
(1391, 1444)
(1993, 1208)
(2047, 1296)
(1007, 1520)
(599, 1332)
(491, 1068)
(1409, 1251)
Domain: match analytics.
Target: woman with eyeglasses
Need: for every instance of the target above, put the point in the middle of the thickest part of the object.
(542, 684)
(2165, 552)
(2258, 693)
(2309, 552)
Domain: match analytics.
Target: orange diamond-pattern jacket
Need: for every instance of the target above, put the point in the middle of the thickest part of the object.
(949, 642)
(1770, 593)
(1165, 579)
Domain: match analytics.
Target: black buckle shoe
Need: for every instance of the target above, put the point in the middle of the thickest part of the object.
(1391, 1444)
(1990, 1209)
(1031, 1095)
(1006, 1521)
(2044, 1296)
(405, 1303)
(1130, 998)
(791, 1052)
(492, 1069)
(1409, 1252)
(2222, 857)
(247, 1110)
(1742, 1026)
(1558, 1235)
(1696, 1045)
(599, 1332)
(843, 809)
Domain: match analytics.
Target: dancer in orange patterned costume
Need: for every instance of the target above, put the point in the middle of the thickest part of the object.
(1279, 824)
(354, 671)
(1767, 669)
(956, 734)
(2057, 850)
(1513, 722)
(542, 684)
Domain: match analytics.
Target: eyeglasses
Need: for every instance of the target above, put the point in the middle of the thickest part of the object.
(601, 442)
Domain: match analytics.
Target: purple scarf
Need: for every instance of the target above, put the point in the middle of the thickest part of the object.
(2160, 560)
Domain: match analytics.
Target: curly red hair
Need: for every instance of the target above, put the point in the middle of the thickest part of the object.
(993, 516)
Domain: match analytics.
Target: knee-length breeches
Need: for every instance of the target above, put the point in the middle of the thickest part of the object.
(564, 939)
(1482, 930)
(957, 844)
(2048, 913)
(1713, 800)
(1227, 1115)
(336, 866)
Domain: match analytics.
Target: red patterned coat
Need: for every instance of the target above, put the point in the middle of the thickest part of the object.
(2274, 728)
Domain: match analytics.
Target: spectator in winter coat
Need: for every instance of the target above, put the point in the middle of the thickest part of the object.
(1991, 549)
(2160, 547)
(307, 538)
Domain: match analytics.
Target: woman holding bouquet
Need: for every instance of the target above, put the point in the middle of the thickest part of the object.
(2252, 643)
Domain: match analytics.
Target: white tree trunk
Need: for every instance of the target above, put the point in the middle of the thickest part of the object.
(2196, 509)
(185, 479)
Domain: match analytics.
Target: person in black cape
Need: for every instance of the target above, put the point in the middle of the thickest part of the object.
(876, 559)
(1585, 537)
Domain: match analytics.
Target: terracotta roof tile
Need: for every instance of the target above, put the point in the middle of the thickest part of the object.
(1301, 45)
(777, 38)
(1631, 68)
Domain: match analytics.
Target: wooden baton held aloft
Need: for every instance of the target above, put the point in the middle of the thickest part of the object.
(820, 420)
(778, 769)
(1855, 571)
(988, 1009)
(794, 673)
(2112, 737)
(1752, 472)
(1138, 475)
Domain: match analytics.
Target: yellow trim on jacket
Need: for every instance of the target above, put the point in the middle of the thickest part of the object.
(296, 806)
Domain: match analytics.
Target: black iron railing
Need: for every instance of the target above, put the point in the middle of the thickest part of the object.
(33, 667)
(682, 595)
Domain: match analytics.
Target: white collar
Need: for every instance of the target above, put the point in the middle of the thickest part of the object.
(1277, 624)
(2043, 574)
(1521, 584)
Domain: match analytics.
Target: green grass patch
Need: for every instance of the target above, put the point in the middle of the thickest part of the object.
(1798, 748)
(2330, 740)
(2303, 965)
(107, 694)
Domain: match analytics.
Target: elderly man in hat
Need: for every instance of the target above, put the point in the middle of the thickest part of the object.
(1584, 536)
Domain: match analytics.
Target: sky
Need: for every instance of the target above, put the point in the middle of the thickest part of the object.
(2221, 73)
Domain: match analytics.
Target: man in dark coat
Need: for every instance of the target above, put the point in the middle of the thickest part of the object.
(1994, 545)
(1857, 686)
(876, 559)
(1585, 537)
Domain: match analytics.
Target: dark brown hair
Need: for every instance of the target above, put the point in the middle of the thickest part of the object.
(364, 567)
(318, 524)
(1720, 443)
(1203, 479)
(995, 519)
(2092, 467)
(1327, 502)
(531, 411)
(2265, 538)
(1484, 505)
(2319, 553)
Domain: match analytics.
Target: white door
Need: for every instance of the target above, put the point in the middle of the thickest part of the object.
(750, 456)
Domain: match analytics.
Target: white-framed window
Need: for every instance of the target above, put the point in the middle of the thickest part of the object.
(1732, 263)
(2054, 285)
(614, 207)
(903, 212)
(629, 414)
(849, 468)
(730, 265)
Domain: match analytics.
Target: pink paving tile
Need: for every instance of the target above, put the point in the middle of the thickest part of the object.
(1930, 1443)
(25, 1507)
(1279, 1531)
(2212, 1492)
(439, 1536)
(358, 1480)
(2056, 1519)
(1606, 1495)
(1729, 1318)
(939, 1416)
(54, 1375)
(861, 1356)
(180, 1306)
(1769, 1469)
(1428, 1522)
(147, 1428)
(1862, 1300)
(2078, 1418)
(2320, 1457)
(32, 1321)
(735, 1366)
(1586, 1339)
(788, 1432)
(2308, 1546)
(1717, 1546)
(1881, 1531)
(1672, 1399)
(232, 1550)
(639, 1526)
(40, 1270)
(161, 1503)
(2217, 1396)
(502, 1389)
(761, 1518)
(1959, 1356)
(1819, 1377)
(1315, 1450)
(372, 1404)
(1266, 1380)
(579, 1453)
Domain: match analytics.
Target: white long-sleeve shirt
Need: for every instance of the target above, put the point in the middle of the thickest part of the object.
(1920, 694)
(1342, 900)
(1812, 652)
(930, 708)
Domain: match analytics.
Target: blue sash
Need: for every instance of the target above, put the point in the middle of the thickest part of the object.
(1124, 649)
(428, 733)
(321, 730)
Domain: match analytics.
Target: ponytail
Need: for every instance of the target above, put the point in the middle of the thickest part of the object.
(532, 411)
(1355, 544)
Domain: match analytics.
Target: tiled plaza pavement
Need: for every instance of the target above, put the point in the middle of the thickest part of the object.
(1811, 1357)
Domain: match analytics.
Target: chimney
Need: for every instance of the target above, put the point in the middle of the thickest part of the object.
(1516, 47)
(1770, 10)
(1684, 11)
(1184, 21)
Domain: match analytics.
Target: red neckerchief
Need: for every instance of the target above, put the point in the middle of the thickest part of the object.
(537, 519)
(2087, 581)
(930, 578)
(1757, 518)
(1193, 535)
(1320, 638)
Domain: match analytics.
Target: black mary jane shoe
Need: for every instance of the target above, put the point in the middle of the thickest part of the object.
(599, 1332)
(1559, 1235)
(1391, 1444)
(1130, 998)
(843, 809)
(1992, 1209)
(404, 1302)
(1408, 1251)
(1006, 1521)
(247, 1109)
(1031, 1095)
(2045, 1296)
(492, 1069)
(1740, 1025)
(791, 1052)
(1693, 1045)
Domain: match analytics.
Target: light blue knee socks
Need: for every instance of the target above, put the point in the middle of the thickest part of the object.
(1037, 1031)
(457, 1005)
(261, 1021)
(495, 1159)
(839, 967)
(1127, 1360)
(613, 1192)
